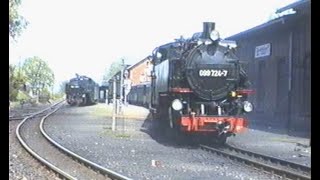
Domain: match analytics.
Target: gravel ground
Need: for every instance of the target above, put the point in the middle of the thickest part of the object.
(135, 153)
(279, 145)
(21, 164)
(30, 131)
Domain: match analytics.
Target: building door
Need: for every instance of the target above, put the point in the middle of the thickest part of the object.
(282, 88)
(261, 87)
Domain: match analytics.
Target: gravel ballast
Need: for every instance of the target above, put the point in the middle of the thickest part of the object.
(21, 164)
(290, 148)
(135, 150)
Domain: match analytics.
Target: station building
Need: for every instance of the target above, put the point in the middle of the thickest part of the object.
(277, 57)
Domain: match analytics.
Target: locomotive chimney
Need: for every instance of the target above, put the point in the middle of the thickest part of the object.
(207, 28)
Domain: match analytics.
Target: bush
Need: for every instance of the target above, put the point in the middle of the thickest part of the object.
(24, 98)
(44, 98)
(13, 93)
(58, 96)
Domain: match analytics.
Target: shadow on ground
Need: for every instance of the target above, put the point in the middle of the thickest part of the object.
(162, 136)
(152, 128)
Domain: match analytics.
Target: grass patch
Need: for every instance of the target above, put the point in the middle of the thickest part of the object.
(109, 128)
(283, 140)
(106, 111)
(115, 134)
(123, 136)
(102, 111)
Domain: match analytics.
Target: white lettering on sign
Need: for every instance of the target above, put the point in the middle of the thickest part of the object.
(263, 50)
(212, 73)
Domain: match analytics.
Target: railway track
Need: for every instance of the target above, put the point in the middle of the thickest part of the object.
(20, 117)
(38, 113)
(269, 164)
(65, 163)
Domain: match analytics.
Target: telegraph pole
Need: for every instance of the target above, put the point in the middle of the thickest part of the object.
(114, 106)
(121, 81)
(121, 93)
(121, 85)
(125, 89)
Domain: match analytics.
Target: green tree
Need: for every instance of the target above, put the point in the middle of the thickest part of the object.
(38, 74)
(115, 67)
(16, 22)
(17, 81)
(63, 87)
(61, 91)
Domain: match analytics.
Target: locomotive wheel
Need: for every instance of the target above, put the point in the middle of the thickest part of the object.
(159, 117)
(88, 100)
(221, 140)
(162, 113)
(173, 130)
(173, 116)
(153, 115)
(84, 101)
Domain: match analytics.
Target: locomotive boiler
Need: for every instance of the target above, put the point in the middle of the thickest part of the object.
(81, 90)
(199, 87)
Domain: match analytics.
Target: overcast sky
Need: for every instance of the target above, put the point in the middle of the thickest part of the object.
(85, 36)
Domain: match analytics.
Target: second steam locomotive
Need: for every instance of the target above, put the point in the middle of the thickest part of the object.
(81, 90)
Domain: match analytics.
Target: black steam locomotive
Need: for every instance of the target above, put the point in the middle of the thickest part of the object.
(81, 90)
(199, 87)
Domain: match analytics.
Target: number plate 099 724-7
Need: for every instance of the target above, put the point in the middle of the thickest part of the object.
(213, 73)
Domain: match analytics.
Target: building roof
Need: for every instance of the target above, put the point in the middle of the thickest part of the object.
(299, 5)
(259, 27)
(139, 62)
(296, 5)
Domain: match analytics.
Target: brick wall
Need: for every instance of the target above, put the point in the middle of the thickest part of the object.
(138, 74)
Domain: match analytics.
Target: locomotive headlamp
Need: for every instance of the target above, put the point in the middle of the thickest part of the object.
(233, 94)
(214, 35)
(74, 86)
(247, 106)
(177, 105)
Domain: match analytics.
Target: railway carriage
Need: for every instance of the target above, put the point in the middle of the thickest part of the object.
(140, 95)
